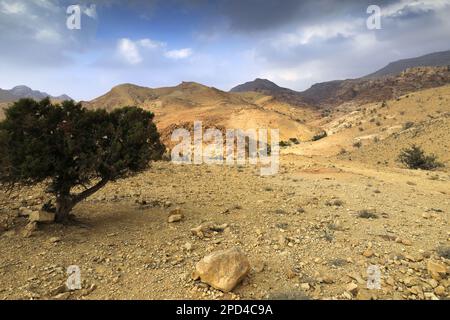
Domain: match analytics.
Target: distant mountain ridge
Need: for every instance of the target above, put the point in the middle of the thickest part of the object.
(436, 59)
(267, 87)
(20, 92)
(398, 77)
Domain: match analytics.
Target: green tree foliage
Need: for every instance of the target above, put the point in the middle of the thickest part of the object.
(415, 158)
(70, 146)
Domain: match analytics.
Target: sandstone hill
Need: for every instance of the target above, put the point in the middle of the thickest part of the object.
(181, 105)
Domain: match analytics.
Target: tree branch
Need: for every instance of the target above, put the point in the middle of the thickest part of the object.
(89, 192)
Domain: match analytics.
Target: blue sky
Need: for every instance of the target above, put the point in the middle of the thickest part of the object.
(219, 43)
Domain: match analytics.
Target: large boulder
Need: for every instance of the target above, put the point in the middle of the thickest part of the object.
(223, 270)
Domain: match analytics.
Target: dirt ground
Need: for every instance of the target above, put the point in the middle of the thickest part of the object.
(301, 229)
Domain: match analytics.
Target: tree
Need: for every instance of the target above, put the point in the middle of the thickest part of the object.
(415, 158)
(71, 147)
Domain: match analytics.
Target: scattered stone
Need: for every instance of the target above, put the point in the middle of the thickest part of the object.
(305, 286)
(188, 246)
(440, 291)
(437, 270)
(223, 270)
(259, 266)
(42, 217)
(29, 229)
(175, 216)
(405, 242)
(205, 229)
(62, 296)
(25, 212)
(54, 239)
(368, 253)
(352, 288)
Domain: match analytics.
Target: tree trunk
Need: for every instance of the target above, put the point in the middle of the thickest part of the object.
(64, 204)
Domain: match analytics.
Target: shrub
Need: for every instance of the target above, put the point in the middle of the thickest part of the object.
(408, 125)
(357, 144)
(69, 146)
(415, 158)
(320, 136)
(367, 214)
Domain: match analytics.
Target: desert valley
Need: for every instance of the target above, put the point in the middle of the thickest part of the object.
(341, 202)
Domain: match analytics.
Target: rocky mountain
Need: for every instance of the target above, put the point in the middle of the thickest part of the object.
(362, 90)
(366, 90)
(400, 77)
(20, 92)
(437, 59)
(180, 106)
(269, 88)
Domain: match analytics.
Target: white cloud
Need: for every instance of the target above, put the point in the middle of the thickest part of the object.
(90, 11)
(8, 7)
(151, 44)
(48, 35)
(179, 54)
(402, 7)
(134, 52)
(129, 51)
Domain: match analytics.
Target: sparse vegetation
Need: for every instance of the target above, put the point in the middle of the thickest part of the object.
(357, 144)
(320, 136)
(415, 158)
(285, 144)
(408, 125)
(367, 214)
(443, 252)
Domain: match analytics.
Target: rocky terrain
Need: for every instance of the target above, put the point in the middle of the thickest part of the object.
(309, 232)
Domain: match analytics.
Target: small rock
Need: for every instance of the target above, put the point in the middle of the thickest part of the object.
(188, 246)
(305, 286)
(29, 229)
(437, 270)
(352, 288)
(440, 291)
(259, 266)
(175, 218)
(25, 212)
(368, 253)
(223, 270)
(54, 239)
(62, 296)
(433, 283)
(42, 216)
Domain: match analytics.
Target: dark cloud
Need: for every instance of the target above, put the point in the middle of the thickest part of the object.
(262, 15)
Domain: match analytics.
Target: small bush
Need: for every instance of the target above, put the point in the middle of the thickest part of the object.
(444, 252)
(367, 214)
(320, 136)
(357, 144)
(284, 144)
(415, 158)
(408, 125)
